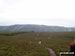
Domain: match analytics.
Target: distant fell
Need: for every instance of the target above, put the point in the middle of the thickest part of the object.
(36, 28)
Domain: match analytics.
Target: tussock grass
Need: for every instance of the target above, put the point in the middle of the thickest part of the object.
(26, 44)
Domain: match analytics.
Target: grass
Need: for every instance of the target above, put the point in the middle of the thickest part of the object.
(26, 43)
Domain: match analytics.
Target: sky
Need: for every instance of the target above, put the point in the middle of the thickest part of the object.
(41, 12)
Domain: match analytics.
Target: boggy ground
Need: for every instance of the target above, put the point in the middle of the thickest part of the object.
(26, 44)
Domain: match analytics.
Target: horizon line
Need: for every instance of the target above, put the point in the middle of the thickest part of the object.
(40, 25)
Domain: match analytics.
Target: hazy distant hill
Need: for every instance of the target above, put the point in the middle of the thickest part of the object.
(40, 28)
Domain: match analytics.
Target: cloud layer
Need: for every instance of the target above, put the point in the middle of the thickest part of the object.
(47, 12)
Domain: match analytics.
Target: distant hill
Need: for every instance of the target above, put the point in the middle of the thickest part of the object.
(36, 28)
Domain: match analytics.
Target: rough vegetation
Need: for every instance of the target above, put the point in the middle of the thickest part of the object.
(26, 44)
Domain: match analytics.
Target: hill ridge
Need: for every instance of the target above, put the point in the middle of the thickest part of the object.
(36, 28)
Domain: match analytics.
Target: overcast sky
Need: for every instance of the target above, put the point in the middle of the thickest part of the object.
(42, 12)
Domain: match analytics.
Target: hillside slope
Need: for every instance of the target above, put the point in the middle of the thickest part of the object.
(37, 28)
